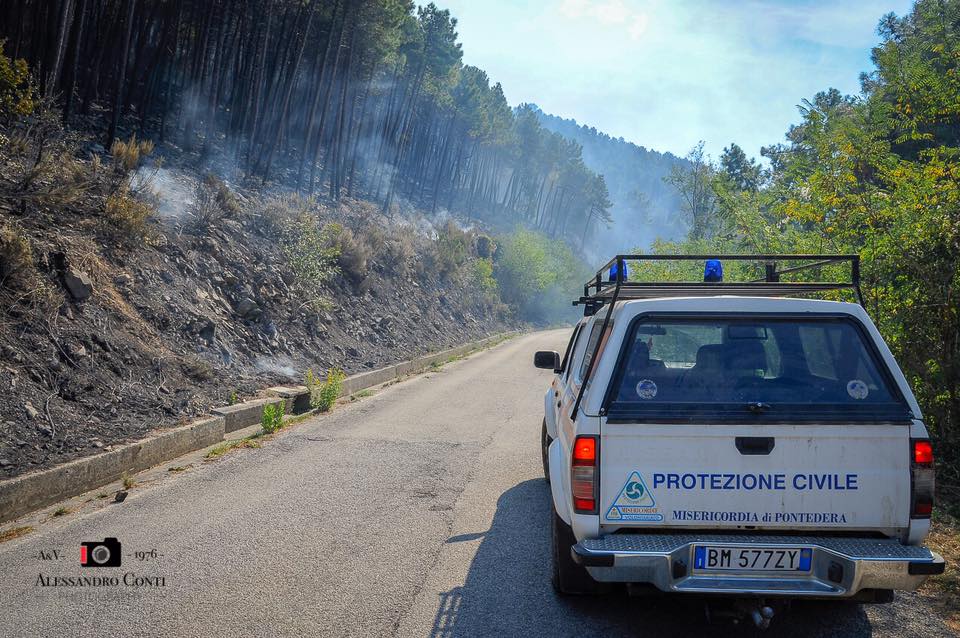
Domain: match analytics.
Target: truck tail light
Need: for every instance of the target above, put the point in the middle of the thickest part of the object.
(922, 481)
(583, 475)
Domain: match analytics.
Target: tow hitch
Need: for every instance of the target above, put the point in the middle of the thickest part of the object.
(757, 611)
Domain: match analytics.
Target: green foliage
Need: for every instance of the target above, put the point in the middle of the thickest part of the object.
(877, 175)
(272, 418)
(323, 394)
(453, 248)
(483, 279)
(311, 253)
(18, 97)
(538, 276)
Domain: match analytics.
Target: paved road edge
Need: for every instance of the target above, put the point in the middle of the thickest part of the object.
(28, 492)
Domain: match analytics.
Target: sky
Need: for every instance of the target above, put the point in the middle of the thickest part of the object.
(667, 73)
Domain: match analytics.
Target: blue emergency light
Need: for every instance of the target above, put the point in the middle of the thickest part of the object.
(613, 272)
(713, 271)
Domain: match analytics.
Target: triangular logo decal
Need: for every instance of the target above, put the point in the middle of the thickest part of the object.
(633, 496)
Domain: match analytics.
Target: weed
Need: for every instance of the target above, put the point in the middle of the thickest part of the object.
(944, 539)
(323, 394)
(223, 448)
(102, 495)
(361, 394)
(233, 398)
(177, 468)
(14, 532)
(61, 511)
(128, 481)
(272, 418)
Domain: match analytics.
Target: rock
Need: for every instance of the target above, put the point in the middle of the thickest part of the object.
(76, 351)
(5, 463)
(166, 276)
(246, 307)
(123, 279)
(353, 352)
(209, 331)
(78, 284)
(31, 411)
(66, 311)
(120, 496)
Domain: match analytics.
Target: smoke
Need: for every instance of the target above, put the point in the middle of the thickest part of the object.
(276, 365)
(174, 191)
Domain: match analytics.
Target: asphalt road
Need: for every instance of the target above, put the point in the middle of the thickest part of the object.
(419, 511)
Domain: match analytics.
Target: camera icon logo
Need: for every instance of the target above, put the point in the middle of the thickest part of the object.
(100, 554)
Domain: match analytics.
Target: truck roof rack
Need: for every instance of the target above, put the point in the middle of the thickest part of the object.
(612, 284)
(609, 286)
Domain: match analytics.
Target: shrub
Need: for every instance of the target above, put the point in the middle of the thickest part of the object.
(127, 155)
(17, 94)
(311, 254)
(353, 252)
(485, 246)
(128, 214)
(323, 394)
(272, 418)
(453, 248)
(398, 253)
(213, 201)
(16, 256)
(482, 276)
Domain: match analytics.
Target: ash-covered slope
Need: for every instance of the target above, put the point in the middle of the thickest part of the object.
(104, 338)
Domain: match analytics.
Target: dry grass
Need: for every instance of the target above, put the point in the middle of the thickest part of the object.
(223, 448)
(16, 255)
(128, 214)
(944, 591)
(14, 532)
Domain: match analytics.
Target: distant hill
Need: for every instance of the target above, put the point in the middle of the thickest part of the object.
(644, 207)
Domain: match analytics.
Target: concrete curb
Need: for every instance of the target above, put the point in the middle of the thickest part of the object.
(23, 494)
(26, 493)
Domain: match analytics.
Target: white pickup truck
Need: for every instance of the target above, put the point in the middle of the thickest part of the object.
(722, 438)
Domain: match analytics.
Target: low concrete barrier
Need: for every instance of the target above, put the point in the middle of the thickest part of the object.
(243, 415)
(25, 493)
(29, 492)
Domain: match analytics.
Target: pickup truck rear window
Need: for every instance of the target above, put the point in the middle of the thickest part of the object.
(761, 368)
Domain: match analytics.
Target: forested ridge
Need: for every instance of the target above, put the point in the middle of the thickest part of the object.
(349, 98)
(876, 174)
(644, 205)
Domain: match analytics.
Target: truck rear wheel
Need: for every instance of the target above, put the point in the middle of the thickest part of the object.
(545, 442)
(568, 577)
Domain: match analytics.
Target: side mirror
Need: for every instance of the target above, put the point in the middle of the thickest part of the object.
(548, 360)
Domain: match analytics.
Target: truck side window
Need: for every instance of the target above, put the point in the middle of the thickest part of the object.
(571, 347)
(591, 348)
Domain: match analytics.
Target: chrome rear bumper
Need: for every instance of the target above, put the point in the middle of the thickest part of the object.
(840, 567)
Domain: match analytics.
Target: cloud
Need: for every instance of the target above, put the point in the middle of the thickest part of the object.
(607, 13)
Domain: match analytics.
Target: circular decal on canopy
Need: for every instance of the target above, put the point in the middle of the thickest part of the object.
(646, 389)
(857, 389)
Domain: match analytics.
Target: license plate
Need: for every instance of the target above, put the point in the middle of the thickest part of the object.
(752, 559)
